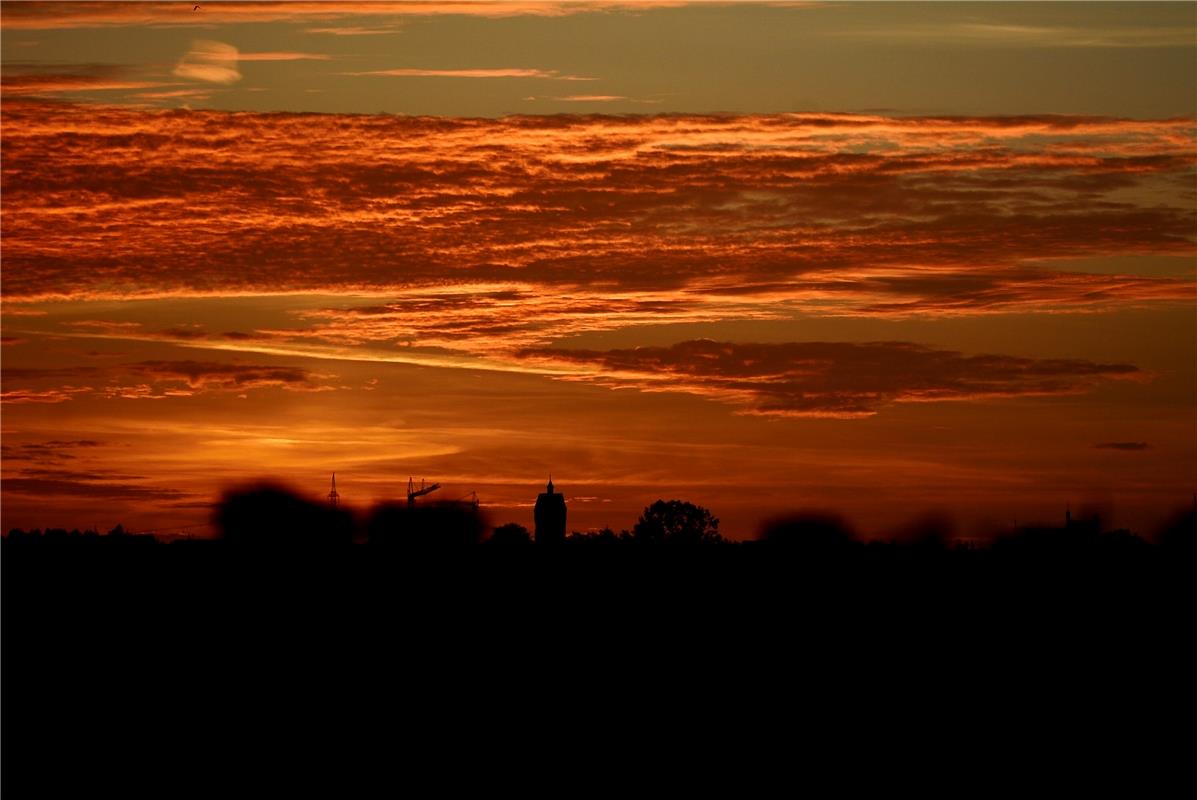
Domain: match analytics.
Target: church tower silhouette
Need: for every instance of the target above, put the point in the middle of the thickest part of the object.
(550, 516)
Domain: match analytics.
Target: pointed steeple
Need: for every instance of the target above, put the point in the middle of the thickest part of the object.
(550, 486)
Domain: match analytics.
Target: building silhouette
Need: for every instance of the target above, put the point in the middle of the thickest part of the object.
(550, 516)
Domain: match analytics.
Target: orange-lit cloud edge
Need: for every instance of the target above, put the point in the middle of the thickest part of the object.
(487, 242)
(388, 18)
(53, 15)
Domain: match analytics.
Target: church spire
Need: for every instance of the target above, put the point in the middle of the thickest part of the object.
(550, 516)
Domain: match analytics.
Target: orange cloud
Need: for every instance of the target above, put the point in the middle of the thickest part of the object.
(51, 15)
(57, 84)
(55, 483)
(49, 452)
(156, 379)
(828, 379)
(60, 395)
(206, 375)
(283, 55)
(979, 34)
(22, 79)
(197, 94)
(485, 237)
(217, 62)
(353, 30)
(212, 62)
(103, 325)
(507, 72)
(591, 98)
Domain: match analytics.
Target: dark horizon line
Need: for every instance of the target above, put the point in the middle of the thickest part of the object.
(922, 530)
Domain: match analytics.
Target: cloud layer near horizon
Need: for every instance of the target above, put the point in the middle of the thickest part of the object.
(153, 379)
(821, 379)
(829, 379)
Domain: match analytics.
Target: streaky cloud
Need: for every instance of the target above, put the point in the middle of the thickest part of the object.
(68, 15)
(501, 72)
(829, 379)
(209, 61)
(479, 238)
(155, 379)
(283, 55)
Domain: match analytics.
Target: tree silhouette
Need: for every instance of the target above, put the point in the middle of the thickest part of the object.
(510, 535)
(676, 522)
(270, 516)
(812, 533)
(1179, 534)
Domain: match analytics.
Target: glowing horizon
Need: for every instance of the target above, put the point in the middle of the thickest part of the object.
(547, 258)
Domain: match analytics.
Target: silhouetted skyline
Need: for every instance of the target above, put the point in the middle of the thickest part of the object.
(267, 515)
(883, 259)
(854, 340)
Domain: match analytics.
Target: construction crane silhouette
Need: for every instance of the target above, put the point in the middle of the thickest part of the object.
(413, 492)
(470, 500)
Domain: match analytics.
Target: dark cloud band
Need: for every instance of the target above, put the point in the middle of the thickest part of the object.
(832, 379)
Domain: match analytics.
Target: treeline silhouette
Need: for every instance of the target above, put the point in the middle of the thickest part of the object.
(269, 518)
(436, 612)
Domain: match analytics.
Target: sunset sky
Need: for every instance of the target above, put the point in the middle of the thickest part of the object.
(885, 258)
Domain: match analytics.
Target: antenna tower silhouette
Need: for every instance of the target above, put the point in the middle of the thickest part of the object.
(334, 497)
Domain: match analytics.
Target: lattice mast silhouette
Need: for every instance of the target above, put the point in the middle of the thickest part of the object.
(334, 497)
